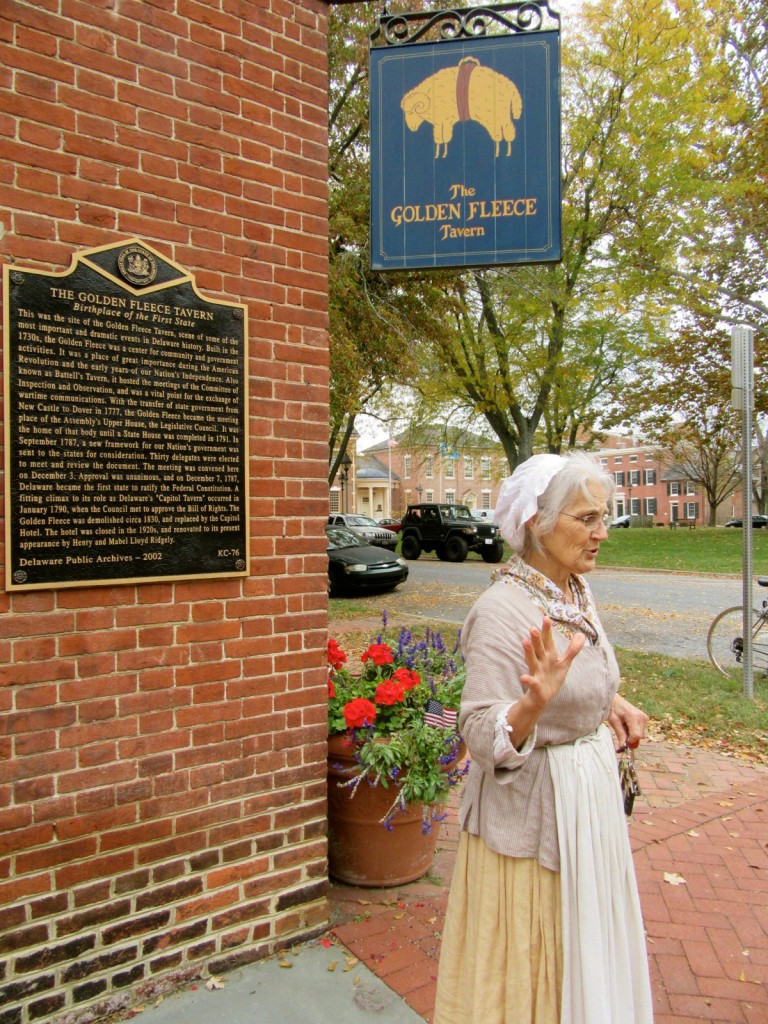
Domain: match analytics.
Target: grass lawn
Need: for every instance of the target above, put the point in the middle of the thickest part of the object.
(705, 549)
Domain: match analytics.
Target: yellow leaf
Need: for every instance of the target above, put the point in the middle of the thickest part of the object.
(694, 834)
(399, 917)
(286, 963)
(333, 965)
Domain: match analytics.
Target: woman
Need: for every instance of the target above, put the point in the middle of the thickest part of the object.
(543, 923)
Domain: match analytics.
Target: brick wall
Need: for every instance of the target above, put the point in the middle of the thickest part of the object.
(162, 746)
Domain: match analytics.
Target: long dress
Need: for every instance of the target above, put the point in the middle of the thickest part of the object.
(543, 923)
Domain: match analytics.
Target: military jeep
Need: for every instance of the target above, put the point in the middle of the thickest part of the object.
(450, 531)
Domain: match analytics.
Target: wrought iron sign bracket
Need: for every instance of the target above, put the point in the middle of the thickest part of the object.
(465, 23)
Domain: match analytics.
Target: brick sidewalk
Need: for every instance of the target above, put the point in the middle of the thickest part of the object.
(700, 842)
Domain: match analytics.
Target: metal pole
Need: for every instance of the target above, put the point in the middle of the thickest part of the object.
(742, 340)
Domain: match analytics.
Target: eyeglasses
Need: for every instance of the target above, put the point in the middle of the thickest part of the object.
(592, 521)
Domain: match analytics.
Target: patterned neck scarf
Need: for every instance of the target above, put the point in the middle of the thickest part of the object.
(567, 617)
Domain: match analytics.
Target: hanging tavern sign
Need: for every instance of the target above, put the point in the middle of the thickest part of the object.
(465, 137)
(125, 431)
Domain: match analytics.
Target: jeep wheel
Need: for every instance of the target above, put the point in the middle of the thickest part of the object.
(456, 549)
(411, 548)
(440, 551)
(493, 553)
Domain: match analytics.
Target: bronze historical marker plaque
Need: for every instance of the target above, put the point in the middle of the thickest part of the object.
(126, 424)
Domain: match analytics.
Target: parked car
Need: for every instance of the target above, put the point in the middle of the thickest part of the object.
(357, 567)
(758, 522)
(390, 524)
(621, 522)
(450, 531)
(484, 513)
(367, 529)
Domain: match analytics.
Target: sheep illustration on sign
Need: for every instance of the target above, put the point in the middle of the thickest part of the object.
(467, 92)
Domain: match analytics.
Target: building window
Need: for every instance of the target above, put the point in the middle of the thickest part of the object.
(485, 467)
(619, 478)
(650, 506)
(450, 469)
(690, 487)
(604, 462)
(335, 500)
(485, 500)
(674, 488)
(407, 465)
(633, 478)
(470, 499)
(633, 458)
(634, 507)
(469, 467)
(617, 459)
(429, 496)
(650, 476)
(450, 497)
(691, 510)
(428, 469)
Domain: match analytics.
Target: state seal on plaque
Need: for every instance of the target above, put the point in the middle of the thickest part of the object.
(137, 265)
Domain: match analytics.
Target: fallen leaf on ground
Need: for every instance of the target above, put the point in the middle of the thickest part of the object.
(286, 963)
(214, 982)
(333, 965)
(673, 878)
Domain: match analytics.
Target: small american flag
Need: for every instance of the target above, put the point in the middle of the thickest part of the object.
(392, 443)
(438, 716)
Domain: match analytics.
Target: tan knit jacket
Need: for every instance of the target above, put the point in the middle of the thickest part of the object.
(513, 808)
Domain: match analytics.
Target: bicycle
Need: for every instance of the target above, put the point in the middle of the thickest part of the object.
(725, 640)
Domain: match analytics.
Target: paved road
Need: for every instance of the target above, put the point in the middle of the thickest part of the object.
(661, 612)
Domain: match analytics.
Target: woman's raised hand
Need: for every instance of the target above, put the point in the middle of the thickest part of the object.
(546, 668)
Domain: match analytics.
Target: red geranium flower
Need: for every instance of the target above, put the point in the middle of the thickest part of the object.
(359, 712)
(407, 677)
(389, 692)
(379, 654)
(331, 688)
(336, 657)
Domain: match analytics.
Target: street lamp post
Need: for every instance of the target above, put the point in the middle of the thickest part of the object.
(346, 462)
(419, 491)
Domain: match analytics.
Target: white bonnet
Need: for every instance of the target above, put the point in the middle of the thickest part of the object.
(518, 498)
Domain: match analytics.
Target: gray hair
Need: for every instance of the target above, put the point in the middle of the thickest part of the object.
(581, 472)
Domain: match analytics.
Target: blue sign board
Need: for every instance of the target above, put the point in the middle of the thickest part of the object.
(465, 152)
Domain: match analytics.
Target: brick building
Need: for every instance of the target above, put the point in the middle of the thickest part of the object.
(459, 467)
(163, 744)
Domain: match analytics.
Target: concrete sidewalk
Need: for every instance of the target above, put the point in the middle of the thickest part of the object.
(700, 842)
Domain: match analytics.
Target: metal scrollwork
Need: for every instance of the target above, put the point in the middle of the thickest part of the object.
(465, 23)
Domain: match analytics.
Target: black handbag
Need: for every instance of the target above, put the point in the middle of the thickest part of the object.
(630, 786)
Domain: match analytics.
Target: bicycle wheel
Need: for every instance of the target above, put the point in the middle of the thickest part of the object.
(725, 642)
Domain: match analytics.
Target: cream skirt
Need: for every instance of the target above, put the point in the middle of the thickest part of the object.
(501, 960)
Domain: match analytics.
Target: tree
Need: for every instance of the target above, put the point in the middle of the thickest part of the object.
(689, 416)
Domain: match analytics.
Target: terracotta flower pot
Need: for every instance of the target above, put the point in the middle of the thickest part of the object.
(360, 850)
